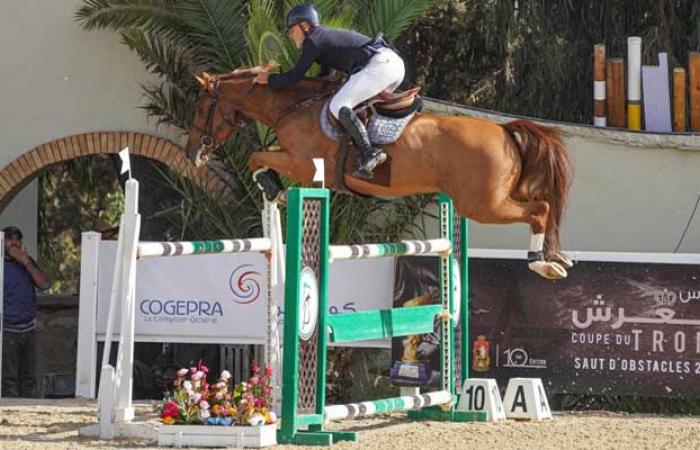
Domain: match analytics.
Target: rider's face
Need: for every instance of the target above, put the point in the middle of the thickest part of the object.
(296, 34)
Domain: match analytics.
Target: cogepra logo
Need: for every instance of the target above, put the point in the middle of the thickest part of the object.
(245, 284)
(176, 312)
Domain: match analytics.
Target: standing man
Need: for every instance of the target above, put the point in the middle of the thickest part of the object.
(22, 276)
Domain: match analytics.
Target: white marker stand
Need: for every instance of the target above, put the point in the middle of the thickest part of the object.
(525, 399)
(481, 394)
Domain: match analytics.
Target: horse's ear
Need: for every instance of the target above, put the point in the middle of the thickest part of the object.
(271, 64)
(201, 81)
(207, 77)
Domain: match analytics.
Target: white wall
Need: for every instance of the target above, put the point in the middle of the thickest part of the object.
(57, 80)
(632, 192)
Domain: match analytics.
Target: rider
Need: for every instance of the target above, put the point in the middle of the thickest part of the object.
(372, 64)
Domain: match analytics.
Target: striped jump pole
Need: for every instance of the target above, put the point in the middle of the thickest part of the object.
(387, 405)
(161, 249)
(367, 251)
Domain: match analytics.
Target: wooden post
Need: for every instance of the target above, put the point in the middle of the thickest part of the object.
(694, 87)
(679, 117)
(615, 89)
(599, 113)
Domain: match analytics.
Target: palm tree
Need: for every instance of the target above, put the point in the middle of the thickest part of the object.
(177, 38)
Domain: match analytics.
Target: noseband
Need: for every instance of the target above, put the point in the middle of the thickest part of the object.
(229, 116)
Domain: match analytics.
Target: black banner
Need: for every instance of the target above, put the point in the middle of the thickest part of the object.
(607, 329)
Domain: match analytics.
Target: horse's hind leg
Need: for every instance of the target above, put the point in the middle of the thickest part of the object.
(535, 214)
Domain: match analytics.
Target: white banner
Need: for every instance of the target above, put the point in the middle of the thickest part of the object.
(221, 298)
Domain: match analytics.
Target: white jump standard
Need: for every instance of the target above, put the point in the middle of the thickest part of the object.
(115, 408)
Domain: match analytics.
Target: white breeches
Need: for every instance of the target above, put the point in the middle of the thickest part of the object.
(383, 72)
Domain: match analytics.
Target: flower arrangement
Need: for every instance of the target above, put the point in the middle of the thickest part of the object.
(196, 402)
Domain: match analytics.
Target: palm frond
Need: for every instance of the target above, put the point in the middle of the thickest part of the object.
(263, 34)
(170, 104)
(119, 15)
(161, 57)
(392, 17)
(215, 31)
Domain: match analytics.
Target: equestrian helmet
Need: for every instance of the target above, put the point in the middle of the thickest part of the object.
(301, 13)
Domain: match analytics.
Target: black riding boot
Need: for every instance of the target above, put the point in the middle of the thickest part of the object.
(269, 182)
(370, 156)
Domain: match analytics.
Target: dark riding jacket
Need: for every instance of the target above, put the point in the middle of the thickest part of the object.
(343, 50)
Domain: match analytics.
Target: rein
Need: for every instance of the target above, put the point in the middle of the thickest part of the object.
(302, 104)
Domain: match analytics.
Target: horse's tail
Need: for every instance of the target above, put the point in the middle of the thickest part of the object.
(546, 170)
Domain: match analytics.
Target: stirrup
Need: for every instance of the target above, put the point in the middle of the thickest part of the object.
(365, 170)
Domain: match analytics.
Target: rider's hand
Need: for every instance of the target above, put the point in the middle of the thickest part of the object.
(262, 77)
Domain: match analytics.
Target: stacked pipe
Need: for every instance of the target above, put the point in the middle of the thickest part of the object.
(617, 96)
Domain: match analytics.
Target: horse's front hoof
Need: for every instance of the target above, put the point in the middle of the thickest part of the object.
(269, 183)
(548, 269)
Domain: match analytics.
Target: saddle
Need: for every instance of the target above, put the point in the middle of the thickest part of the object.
(394, 101)
(386, 115)
(388, 106)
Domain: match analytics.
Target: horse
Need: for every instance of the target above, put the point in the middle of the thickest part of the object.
(495, 173)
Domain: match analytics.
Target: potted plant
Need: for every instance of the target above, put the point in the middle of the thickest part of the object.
(197, 413)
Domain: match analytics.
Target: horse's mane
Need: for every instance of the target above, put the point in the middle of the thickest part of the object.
(243, 73)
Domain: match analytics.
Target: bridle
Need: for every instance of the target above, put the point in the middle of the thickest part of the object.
(235, 118)
(231, 117)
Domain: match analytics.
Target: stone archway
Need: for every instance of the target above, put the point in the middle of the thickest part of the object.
(24, 169)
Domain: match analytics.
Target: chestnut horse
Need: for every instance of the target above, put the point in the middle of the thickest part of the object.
(495, 174)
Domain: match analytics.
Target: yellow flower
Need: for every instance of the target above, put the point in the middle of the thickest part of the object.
(169, 420)
(216, 409)
(232, 410)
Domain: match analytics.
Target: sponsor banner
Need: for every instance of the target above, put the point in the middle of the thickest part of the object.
(608, 329)
(223, 297)
(197, 298)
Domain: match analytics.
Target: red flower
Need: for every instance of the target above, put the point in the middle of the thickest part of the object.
(268, 371)
(170, 409)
